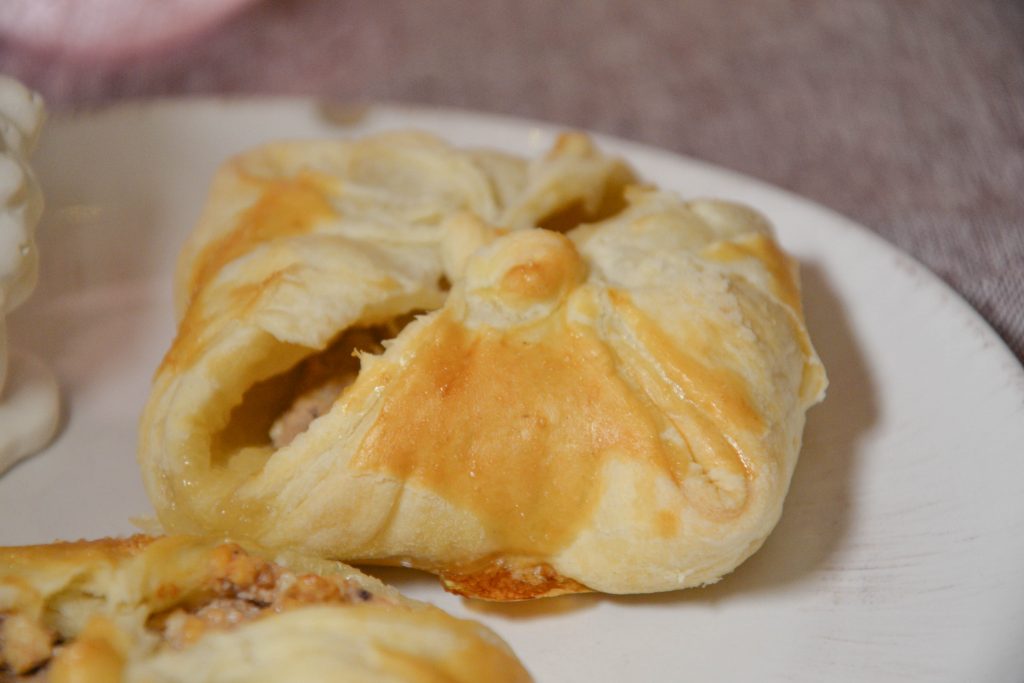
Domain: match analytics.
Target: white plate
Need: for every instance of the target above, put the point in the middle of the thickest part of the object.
(901, 551)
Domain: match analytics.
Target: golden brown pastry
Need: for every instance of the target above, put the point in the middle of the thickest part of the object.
(158, 610)
(529, 378)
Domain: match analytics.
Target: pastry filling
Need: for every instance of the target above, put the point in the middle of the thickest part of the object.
(275, 411)
(240, 588)
(322, 378)
(245, 588)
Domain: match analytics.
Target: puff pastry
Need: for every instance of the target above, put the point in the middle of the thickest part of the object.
(192, 610)
(528, 377)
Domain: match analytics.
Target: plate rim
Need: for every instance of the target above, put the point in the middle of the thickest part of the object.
(985, 332)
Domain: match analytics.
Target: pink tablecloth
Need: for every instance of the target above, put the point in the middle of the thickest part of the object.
(906, 116)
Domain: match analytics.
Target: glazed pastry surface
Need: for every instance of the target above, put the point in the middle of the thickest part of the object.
(191, 610)
(528, 377)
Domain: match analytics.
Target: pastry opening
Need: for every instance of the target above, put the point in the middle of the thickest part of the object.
(274, 411)
(577, 213)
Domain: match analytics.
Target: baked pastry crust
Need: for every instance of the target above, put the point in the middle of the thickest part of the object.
(603, 387)
(187, 609)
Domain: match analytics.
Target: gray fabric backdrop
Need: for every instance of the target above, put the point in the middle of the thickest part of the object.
(906, 116)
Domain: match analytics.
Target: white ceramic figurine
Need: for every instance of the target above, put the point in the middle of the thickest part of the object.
(29, 403)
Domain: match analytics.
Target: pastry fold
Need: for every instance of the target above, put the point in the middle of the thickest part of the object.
(528, 377)
(149, 610)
